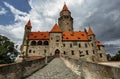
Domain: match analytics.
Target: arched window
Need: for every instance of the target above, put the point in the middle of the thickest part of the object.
(33, 43)
(70, 45)
(79, 45)
(85, 45)
(30, 51)
(39, 43)
(46, 43)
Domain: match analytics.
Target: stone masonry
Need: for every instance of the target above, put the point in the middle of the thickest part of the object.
(56, 69)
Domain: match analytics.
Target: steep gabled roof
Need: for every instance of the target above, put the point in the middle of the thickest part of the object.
(74, 36)
(64, 7)
(90, 32)
(39, 36)
(28, 24)
(56, 28)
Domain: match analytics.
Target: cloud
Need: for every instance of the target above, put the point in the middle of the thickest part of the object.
(102, 16)
(2, 11)
(15, 31)
(105, 18)
(19, 15)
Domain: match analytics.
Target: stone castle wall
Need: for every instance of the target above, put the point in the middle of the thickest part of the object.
(88, 70)
(21, 70)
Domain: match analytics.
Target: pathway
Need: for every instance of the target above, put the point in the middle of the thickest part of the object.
(56, 69)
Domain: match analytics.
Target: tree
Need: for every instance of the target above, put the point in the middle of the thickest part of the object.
(116, 57)
(108, 57)
(8, 53)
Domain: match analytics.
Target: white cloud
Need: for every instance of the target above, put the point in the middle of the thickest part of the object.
(114, 42)
(44, 14)
(2, 11)
(19, 15)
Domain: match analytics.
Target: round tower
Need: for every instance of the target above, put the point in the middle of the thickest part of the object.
(24, 45)
(65, 20)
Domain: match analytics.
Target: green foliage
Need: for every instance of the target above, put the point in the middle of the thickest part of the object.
(7, 51)
(109, 57)
(116, 57)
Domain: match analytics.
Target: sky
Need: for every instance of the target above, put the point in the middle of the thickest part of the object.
(103, 16)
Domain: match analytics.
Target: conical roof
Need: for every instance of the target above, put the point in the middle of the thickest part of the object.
(28, 24)
(64, 7)
(90, 32)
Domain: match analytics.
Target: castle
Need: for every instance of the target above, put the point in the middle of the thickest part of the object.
(62, 40)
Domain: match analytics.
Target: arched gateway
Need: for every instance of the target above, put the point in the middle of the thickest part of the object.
(57, 53)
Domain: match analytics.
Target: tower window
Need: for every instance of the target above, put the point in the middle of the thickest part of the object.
(70, 45)
(80, 52)
(85, 45)
(93, 52)
(29, 51)
(74, 43)
(79, 45)
(63, 45)
(99, 48)
(57, 38)
(72, 52)
(92, 44)
(34, 51)
(101, 56)
(64, 52)
(90, 37)
(87, 52)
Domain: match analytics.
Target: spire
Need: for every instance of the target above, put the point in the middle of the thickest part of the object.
(64, 7)
(28, 24)
(56, 28)
(90, 32)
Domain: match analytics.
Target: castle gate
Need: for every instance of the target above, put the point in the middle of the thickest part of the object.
(57, 53)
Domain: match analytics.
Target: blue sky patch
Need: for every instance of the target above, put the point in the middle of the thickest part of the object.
(8, 18)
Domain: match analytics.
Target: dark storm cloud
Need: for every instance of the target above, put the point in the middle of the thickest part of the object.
(112, 49)
(105, 20)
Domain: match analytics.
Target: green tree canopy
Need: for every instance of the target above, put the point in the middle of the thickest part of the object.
(116, 57)
(8, 53)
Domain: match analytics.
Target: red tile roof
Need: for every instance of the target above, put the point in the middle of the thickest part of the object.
(56, 28)
(67, 36)
(74, 36)
(90, 32)
(99, 44)
(39, 36)
(28, 24)
(64, 7)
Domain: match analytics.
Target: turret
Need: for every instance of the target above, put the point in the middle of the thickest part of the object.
(65, 20)
(55, 40)
(25, 38)
(91, 35)
(28, 27)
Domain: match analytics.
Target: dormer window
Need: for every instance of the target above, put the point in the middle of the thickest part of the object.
(57, 38)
